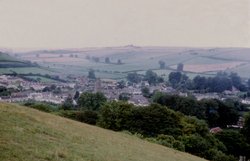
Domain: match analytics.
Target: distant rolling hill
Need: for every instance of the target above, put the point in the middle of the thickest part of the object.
(10, 64)
(203, 61)
(27, 134)
(7, 61)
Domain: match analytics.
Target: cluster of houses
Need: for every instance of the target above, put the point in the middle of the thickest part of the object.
(23, 90)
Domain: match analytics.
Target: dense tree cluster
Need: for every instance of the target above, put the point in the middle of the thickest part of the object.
(124, 96)
(4, 91)
(215, 112)
(178, 80)
(134, 77)
(164, 126)
(219, 83)
(91, 101)
(149, 76)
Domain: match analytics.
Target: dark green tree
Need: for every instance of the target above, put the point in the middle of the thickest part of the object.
(134, 77)
(77, 95)
(200, 83)
(121, 84)
(87, 116)
(162, 64)
(228, 115)
(234, 142)
(174, 78)
(246, 129)
(195, 144)
(236, 80)
(180, 67)
(68, 103)
(91, 74)
(145, 91)
(124, 96)
(107, 60)
(91, 101)
(151, 77)
(116, 116)
(119, 61)
(4, 91)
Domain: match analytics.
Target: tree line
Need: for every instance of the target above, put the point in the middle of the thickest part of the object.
(221, 82)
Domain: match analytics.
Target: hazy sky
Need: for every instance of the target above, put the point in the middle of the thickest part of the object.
(88, 23)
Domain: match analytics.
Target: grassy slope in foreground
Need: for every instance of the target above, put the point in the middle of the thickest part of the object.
(27, 134)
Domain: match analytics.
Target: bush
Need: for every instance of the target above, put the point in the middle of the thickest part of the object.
(192, 125)
(92, 101)
(68, 114)
(178, 145)
(165, 140)
(169, 141)
(89, 117)
(234, 141)
(45, 107)
(195, 144)
(116, 116)
(149, 121)
(42, 107)
(215, 155)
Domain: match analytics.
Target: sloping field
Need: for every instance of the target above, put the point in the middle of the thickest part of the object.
(30, 135)
(6, 57)
(200, 68)
(10, 64)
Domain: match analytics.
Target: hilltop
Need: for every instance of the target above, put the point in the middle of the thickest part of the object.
(28, 134)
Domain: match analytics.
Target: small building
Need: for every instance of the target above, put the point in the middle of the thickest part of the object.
(215, 130)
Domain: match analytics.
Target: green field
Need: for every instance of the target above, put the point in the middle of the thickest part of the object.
(10, 64)
(28, 134)
(25, 70)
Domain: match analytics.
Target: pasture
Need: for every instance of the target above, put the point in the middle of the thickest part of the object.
(26, 70)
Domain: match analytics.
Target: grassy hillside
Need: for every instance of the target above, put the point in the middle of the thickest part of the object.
(28, 134)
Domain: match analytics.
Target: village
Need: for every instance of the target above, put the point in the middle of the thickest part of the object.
(20, 90)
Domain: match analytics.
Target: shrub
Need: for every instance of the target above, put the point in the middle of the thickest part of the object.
(215, 155)
(42, 107)
(68, 114)
(195, 144)
(89, 117)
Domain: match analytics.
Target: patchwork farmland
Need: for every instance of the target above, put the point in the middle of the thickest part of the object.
(204, 61)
